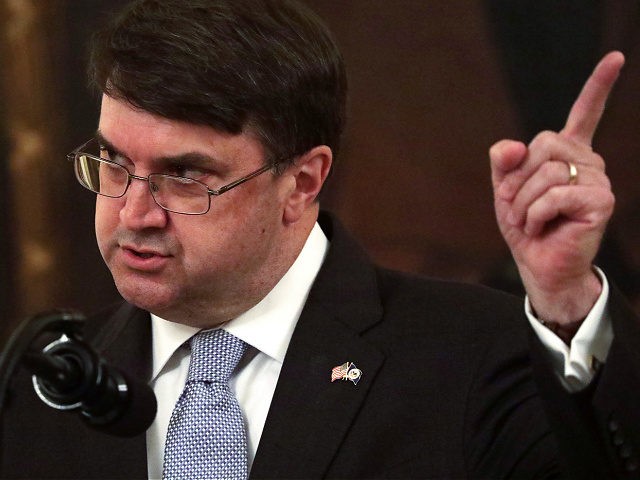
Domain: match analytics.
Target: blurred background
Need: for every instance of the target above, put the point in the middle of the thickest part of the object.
(433, 84)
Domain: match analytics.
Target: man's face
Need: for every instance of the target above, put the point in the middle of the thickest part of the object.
(193, 269)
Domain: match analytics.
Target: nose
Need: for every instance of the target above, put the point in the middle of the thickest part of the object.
(140, 210)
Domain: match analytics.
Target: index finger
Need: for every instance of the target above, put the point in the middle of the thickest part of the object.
(587, 110)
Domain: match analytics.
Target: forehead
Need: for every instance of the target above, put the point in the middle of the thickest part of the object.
(141, 135)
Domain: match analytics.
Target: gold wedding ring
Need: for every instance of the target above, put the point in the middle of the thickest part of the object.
(573, 173)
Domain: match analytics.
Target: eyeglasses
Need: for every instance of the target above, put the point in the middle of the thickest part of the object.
(173, 193)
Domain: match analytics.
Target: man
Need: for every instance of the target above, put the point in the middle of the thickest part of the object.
(219, 124)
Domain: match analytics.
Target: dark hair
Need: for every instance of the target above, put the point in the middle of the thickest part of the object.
(267, 67)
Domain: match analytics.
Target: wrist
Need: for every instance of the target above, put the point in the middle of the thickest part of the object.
(563, 308)
(565, 332)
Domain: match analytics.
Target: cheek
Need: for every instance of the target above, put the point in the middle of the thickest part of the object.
(228, 242)
(106, 220)
(213, 243)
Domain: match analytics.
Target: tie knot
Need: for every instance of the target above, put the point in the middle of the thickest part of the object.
(214, 356)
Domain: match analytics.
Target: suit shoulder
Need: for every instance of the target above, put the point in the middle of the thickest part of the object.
(421, 290)
(442, 305)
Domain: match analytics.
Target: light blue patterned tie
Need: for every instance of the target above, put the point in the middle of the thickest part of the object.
(206, 438)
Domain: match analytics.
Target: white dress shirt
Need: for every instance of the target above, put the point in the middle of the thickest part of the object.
(268, 327)
(576, 364)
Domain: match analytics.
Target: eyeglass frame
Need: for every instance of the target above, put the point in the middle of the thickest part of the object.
(73, 157)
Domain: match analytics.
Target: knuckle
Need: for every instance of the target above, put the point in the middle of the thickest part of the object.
(496, 148)
(598, 162)
(550, 169)
(555, 193)
(602, 205)
(610, 201)
(543, 138)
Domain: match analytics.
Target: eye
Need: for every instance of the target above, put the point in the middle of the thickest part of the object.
(107, 153)
(189, 171)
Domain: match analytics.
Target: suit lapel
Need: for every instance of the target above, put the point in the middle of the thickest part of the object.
(125, 340)
(309, 415)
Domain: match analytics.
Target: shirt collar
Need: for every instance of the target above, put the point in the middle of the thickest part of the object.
(269, 325)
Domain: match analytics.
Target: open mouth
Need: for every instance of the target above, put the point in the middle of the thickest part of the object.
(145, 260)
(142, 255)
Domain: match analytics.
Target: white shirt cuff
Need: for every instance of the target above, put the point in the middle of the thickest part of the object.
(576, 364)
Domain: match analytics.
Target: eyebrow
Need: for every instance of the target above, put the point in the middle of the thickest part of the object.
(192, 159)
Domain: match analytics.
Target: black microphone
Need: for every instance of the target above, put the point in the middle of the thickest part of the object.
(69, 375)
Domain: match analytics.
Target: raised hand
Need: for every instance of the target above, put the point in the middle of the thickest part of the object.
(553, 201)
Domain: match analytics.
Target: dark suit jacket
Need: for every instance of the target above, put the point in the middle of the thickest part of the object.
(448, 390)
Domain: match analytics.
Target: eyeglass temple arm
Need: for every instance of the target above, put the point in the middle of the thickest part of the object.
(72, 156)
(240, 181)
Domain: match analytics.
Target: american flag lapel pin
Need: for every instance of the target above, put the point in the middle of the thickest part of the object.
(346, 371)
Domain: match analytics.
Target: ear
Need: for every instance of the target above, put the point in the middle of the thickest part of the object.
(309, 173)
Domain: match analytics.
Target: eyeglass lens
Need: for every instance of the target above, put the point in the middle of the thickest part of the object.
(176, 194)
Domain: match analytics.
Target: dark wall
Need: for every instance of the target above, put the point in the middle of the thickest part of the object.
(433, 85)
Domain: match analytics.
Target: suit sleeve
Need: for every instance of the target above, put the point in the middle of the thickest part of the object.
(598, 429)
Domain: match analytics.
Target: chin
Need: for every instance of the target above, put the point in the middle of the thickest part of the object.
(153, 298)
